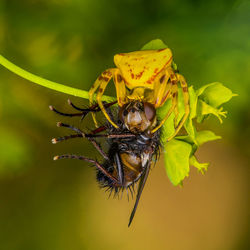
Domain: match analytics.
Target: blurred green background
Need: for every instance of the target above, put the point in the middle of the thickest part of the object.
(58, 205)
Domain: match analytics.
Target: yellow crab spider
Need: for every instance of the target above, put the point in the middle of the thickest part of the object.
(146, 76)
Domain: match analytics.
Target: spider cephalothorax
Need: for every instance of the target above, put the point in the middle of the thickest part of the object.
(145, 76)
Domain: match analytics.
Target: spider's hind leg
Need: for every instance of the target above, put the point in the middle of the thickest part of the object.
(184, 88)
(174, 79)
(173, 94)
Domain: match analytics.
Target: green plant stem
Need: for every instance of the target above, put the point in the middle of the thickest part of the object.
(47, 83)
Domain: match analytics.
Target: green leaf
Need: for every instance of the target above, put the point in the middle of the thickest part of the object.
(215, 94)
(188, 139)
(203, 88)
(204, 109)
(174, 66)
(154, 44)
(200, 138)
(192, 102)
(202, 167)
(189, 126)
(168, 127)
(180, 105)
(205, 136)
(210, 97)
(176, 155)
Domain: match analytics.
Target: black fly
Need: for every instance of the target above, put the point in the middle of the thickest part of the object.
(131, 146)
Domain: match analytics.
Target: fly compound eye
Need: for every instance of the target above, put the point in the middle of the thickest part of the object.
(149, 111)
(123, 112)
(132, 110)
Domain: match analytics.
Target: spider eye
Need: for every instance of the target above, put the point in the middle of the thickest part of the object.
(149, 110)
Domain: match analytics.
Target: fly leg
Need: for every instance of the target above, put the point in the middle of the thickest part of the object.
(81, 134)
(97, 164)
(84, 112)
(90, 136)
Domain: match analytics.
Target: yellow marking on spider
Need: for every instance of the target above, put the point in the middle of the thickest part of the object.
(140, 68)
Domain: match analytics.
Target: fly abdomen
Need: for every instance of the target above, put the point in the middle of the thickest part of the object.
(132, 167)
(132, 170)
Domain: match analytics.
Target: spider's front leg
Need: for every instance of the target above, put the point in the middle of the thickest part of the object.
(100, 86)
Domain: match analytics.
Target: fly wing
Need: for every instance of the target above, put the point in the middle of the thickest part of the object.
(119, 169)
(139, 192)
